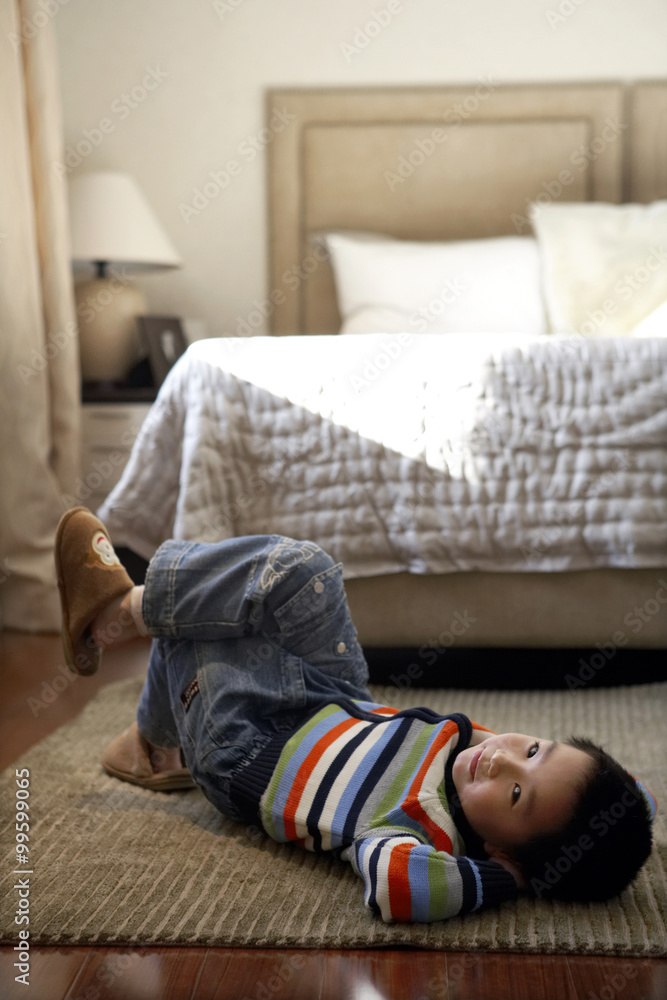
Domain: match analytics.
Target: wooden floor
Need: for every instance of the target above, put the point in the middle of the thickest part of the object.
(35, 702)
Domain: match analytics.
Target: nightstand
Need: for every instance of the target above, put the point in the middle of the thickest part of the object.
(108, 432)
(112, 415)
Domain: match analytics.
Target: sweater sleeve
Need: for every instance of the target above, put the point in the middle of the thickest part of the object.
(406, 880)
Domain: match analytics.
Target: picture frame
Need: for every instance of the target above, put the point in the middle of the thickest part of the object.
(165, 340)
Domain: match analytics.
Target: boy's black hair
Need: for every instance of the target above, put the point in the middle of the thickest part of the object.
(604, 844)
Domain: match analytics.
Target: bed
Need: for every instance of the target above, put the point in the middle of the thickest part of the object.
(498, 481)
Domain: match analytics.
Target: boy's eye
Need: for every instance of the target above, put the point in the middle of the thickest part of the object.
(516, 791)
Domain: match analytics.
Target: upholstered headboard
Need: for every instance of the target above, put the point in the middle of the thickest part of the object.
(443, 163)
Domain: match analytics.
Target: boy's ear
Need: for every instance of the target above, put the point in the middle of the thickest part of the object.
(501, 857)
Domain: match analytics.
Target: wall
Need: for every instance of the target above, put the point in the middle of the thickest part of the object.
(181, 83)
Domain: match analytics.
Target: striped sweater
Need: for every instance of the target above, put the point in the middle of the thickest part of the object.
(375, 785)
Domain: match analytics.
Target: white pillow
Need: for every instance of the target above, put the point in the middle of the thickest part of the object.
(604, 266)
(377, 319)
(454, 287)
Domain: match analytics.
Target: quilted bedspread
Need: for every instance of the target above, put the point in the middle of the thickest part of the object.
(427, 454)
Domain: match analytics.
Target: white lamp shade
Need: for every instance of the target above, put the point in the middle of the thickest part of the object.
(112, 221)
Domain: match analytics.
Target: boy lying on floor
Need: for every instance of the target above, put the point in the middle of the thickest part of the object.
(257, 683)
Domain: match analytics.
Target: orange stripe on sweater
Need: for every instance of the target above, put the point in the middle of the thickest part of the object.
(483, 729)
(400, 897)
(305, 771)
(440, 840)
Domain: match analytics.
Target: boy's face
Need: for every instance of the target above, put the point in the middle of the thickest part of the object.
(513, 787)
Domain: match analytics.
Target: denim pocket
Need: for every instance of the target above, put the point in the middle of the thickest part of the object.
(315, 604)
(317, 627)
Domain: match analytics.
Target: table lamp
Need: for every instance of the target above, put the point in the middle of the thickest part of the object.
(114, 228)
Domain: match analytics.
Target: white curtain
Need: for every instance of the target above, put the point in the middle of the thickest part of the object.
(39, 368)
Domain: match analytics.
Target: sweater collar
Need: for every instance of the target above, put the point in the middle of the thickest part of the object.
(474, 844)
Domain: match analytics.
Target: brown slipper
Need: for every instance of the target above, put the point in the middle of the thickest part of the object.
(127, 758)
(90, 576)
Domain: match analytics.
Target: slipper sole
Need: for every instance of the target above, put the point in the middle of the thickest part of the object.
(68, 647)
(126, 758)
(165, 781)
(79, 662)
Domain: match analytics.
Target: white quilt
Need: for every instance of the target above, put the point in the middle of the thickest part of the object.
(405, 453)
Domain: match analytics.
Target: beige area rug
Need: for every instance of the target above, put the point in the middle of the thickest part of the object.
(114, 864)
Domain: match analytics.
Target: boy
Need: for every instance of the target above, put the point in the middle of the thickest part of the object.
(257, 683)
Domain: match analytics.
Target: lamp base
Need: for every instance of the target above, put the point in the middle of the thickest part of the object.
(109, 341)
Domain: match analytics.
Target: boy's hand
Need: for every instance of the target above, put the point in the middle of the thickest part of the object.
(513, 870)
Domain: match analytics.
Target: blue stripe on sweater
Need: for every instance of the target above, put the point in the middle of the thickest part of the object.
(294, 764)
(473, 895)
(480, 888)
(377, 760)
(319, 801)
(419, 885)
